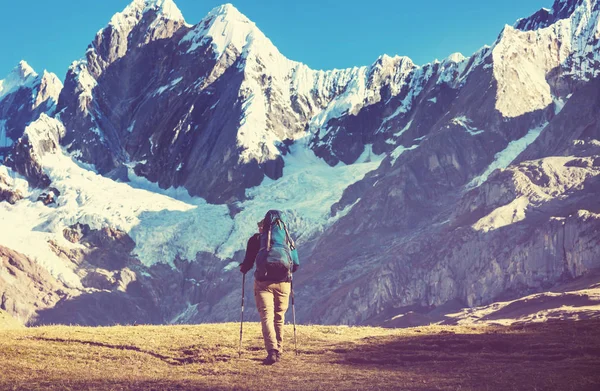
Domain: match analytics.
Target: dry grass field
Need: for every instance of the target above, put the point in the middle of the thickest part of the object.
(551, 356)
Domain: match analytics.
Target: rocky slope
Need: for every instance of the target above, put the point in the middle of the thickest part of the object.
(24, 95)
(408, 187)
(573, 300)
(26, 287)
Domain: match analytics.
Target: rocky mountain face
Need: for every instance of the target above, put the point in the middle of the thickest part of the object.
(24, 95)
(410, 188)
(26, 287)
(214, 116)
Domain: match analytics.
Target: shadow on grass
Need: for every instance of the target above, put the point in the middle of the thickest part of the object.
(189, 355)
(554, 341)
(558, 355)
(133, 385)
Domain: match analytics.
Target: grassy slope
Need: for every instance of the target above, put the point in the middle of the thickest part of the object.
(8, 322)
(559, 356)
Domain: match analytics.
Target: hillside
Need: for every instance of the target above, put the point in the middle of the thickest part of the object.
(551, 356)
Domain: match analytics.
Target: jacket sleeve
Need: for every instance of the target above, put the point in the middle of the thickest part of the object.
(295, 259)
(252, 248)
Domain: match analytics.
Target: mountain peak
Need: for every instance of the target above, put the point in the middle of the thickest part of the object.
(455, 57)
(561, 9)
(386, 59)
(226, 9)
(24, 70)
(227, 13)
(135, 11)
(22, 75)
(166, 8)
(224, 26)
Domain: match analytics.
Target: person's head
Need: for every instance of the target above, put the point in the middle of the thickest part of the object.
(260, 226)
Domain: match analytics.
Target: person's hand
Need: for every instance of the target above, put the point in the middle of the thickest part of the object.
(244, 269)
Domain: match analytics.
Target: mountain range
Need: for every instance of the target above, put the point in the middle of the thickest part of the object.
(128, 191)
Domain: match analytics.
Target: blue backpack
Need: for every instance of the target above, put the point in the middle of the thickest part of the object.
(277, 252)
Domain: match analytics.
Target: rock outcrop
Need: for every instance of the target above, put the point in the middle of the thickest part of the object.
(24, 96)
(27, 288)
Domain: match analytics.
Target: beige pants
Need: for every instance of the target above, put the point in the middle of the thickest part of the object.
(272, 300)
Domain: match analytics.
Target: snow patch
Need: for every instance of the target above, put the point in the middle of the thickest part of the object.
(404, 129)
(465, 123)
(85, 83)
(400, 110)
(22, 76)
(503, 158)
(399, 151)
(223, 27)
(368, 155)
(559, 104)
(306, 192)
(5, 141)
(23, 234)
(130, 128)
(169, 86)
(350, 100)
(164, 8)
(125, 20)
(455, 57)
(163, 227)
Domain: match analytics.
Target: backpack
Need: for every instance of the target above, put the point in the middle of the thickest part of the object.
(277, 249)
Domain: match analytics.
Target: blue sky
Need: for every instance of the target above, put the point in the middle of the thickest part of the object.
(324, 34)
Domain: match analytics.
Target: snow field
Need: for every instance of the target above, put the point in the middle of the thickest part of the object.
(166, 224)
(21, 229)
(306, 192)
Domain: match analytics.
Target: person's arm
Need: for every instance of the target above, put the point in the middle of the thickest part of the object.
(252, 248)
(296, 261)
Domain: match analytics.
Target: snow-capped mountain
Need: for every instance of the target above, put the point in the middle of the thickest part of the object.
(24, 95)
(408, 187)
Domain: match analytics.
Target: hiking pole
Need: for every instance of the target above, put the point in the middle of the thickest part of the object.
(242, 321)
(294, 315)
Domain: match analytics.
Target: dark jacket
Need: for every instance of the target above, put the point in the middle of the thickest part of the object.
(252, 249)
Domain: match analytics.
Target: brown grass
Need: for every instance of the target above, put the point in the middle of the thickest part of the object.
(8, 322)
(555, 356)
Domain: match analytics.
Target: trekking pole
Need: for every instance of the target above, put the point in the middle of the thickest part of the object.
(294, 315)
(242, 321)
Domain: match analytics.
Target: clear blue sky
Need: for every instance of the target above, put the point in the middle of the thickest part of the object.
(324, 34)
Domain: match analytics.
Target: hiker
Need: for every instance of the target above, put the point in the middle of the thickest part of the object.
(276, 259)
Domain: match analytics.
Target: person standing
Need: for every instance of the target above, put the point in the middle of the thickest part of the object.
(274, 253)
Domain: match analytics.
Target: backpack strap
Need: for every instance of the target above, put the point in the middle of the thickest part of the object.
(289, 238)
(269, 238)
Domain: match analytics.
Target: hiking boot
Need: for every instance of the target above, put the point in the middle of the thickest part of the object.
(278, 354)
(271, 358)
